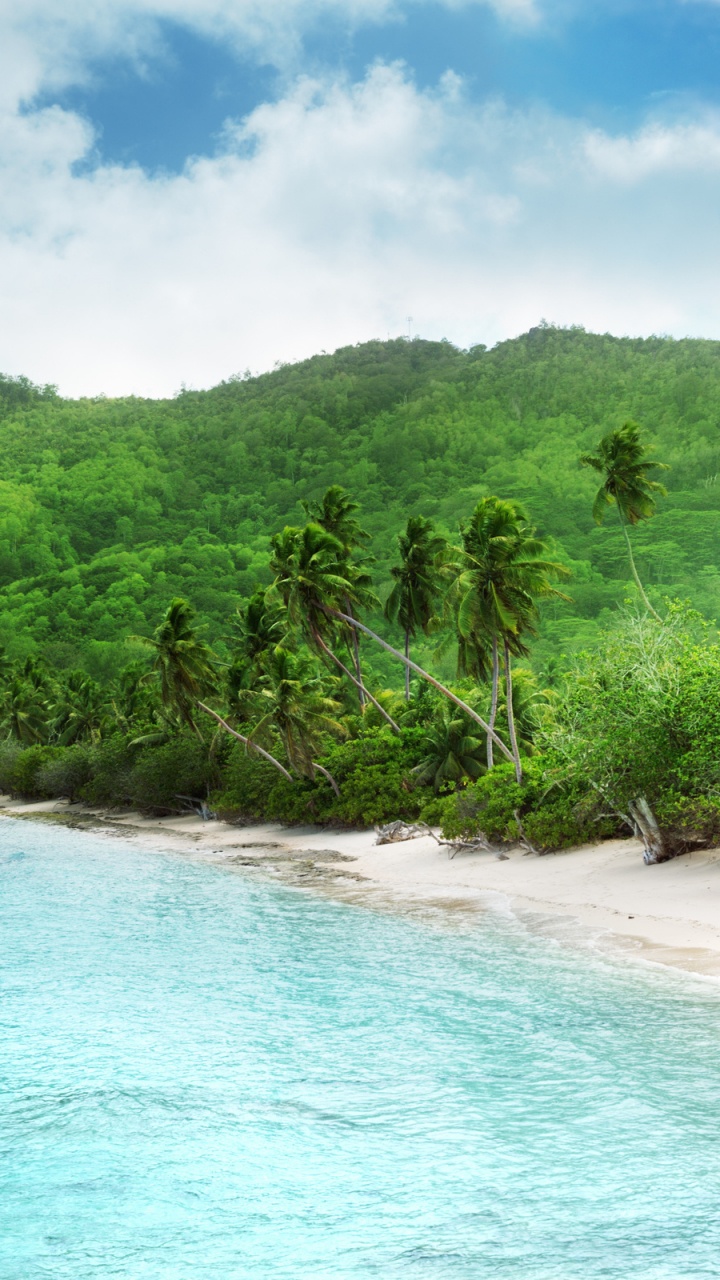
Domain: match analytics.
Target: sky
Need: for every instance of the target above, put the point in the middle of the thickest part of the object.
(191, 189)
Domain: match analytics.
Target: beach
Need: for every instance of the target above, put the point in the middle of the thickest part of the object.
(602, 893)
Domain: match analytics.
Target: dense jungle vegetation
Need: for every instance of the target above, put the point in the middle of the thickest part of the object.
(111, 509)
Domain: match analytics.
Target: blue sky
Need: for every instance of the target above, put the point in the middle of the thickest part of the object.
(608, 63)
(195, 187)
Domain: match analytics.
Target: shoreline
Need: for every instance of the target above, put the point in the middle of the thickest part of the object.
(602, 895)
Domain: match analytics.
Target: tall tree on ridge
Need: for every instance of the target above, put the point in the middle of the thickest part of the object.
(623, 460)
(417, 582)
(336, 514)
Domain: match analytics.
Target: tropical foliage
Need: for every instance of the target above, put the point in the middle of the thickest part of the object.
(250, 692)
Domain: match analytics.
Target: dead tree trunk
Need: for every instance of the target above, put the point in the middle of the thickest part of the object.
(656, 846)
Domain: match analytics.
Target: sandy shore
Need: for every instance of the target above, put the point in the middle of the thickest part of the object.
(668, 914)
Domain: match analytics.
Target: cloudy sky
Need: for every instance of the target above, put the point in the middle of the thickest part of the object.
(192, 188)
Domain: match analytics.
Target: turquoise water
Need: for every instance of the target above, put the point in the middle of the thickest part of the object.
(204, 1077)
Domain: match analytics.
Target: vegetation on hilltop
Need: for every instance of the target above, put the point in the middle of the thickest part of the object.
(109, 508)
(276, 683)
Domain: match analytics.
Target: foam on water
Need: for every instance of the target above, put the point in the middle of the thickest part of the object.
(204, 1077)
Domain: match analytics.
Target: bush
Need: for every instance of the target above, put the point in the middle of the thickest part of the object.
(373, 773)
(23, 775)
(9, 752)
(488, 806)
(181, 767)
(111, 763)
(549, 818)
(66, 774)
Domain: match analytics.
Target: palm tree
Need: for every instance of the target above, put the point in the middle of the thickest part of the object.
(81, 711)
(257, 629)
(502, 571)
(23, 711)
(311, 578)
(334, 612)
(453, 751)
(417, 585)
(336, 514)
(182, 662)
(295, 704)
(622, 459)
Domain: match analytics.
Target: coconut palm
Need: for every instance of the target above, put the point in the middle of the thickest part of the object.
(334, 612)
(182, 662)
(312, 577)
(81, 711)
(622, 459)
(453, 751)
(502, 572)
(257, 629)
(335, 513)
(294, 703)
(417, 582)
(23, 711)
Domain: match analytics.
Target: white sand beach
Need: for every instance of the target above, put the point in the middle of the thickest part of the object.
(668, 914)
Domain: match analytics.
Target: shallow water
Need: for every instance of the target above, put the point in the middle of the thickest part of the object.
(205, 1077)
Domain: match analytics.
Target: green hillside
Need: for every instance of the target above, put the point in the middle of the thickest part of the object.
(108, 508)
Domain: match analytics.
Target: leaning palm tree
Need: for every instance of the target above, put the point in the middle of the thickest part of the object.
(335, 512)
(312, 577)
(501, 572)
(417, 582)
(182, 662)
(333, 612)
(294, 704)
(622, 459)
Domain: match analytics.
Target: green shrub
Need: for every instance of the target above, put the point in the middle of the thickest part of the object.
(488, 806)
(24, 778)
(111, 763)
(373, 773)
(181, 767)
(9, 752)
(66, 774)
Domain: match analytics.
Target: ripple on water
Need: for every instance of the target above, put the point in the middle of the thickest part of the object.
(204, 1077)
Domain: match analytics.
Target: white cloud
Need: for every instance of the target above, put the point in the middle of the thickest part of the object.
(48, 45)
(656, 149)
(333, 214)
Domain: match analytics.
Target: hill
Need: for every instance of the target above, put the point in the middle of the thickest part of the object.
(110, 507)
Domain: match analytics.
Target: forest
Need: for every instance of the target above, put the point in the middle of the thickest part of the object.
(287, 530)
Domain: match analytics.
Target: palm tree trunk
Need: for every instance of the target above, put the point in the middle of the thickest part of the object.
(494, 704)
(511, 715)
(253, 746)
(407, 668)
(326, 649)
(327, 774)
(635, 575)
(356, 655)
(425, 675)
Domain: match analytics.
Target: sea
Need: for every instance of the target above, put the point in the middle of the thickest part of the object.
(206, 1075)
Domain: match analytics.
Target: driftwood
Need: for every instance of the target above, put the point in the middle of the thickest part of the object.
(394, 832)
(199, 807)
